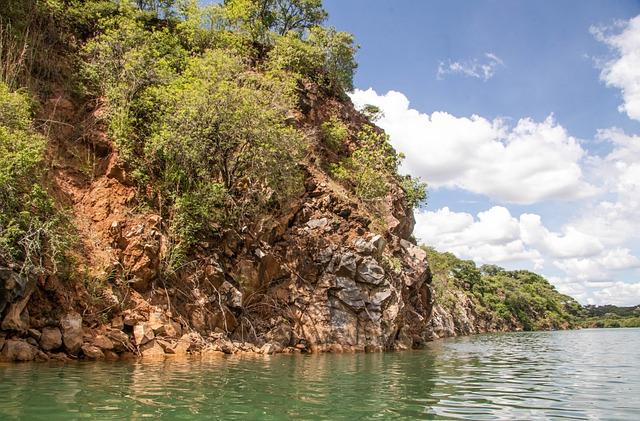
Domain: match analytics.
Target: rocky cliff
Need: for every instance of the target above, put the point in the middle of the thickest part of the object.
(330, 272)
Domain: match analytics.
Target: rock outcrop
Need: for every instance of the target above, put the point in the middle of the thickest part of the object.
(329, 273)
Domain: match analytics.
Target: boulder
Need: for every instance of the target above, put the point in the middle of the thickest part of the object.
(317, 223)
(19, 289)
(35, 334)
(121, 342)
(268, 349)
(183, 345)
(72, 334)
(152, 349)
(142, 333)
(92, 352)
(349, 293)
(16, 350)
(103, 342)
(12, 287)
(51, 338)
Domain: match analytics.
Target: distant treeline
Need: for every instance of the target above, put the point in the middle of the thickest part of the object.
(611, 316)
(518, 298)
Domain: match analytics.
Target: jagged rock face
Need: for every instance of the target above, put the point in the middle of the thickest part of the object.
(328, 272)
(463, 319)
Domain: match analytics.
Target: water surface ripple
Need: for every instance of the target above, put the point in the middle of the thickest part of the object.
(574, 375)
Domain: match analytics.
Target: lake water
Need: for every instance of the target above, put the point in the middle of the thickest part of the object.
(586, 374)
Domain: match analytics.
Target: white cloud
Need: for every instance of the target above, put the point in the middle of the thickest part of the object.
(528, 163)
(484, 68)
(495, 236)
(617, 219)
(622, 71)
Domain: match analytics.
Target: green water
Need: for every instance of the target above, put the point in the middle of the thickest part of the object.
(588, 374)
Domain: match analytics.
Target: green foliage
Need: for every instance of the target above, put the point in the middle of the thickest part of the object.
(123, 62)
(260, 18)
(372, 112)
(611, 316)
(326, 57)
(221, 152)
(509, 297)
(393, 263)
(334, 133)
(295, 55)
(338, 50)
(415, 191)
(30, 229)
(370, 167)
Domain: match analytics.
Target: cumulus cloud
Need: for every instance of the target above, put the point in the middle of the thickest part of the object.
(484, 68)
(496, 236)
(530, 162)
(622, 71)
(616, 219)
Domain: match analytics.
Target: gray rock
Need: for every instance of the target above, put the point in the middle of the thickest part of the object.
(72, 334)
(346, 266)
(370, 272)
(51, 338)
(363, 246)
(317, 223)
(348, 292)
(232, 294)
(379, 298)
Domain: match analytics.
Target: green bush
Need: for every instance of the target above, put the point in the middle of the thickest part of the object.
(31, 232)
(121, 63)
(221, 153)
(334, 133)
(370, 168)
(415, 191)
(338, 51)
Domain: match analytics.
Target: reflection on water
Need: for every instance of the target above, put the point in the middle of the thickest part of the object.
(588, 374)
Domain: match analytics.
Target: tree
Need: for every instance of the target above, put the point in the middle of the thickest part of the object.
(222, 151)
(259, 17)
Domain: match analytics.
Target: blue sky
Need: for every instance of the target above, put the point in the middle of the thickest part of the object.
(524, 119)
(514, 64)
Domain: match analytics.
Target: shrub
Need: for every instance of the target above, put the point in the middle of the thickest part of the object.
(334, 133)
(30, 230)
(122, 62)
(292, 54)
(372, 112)
(221, 152)
(415, 191)
(370, 167)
